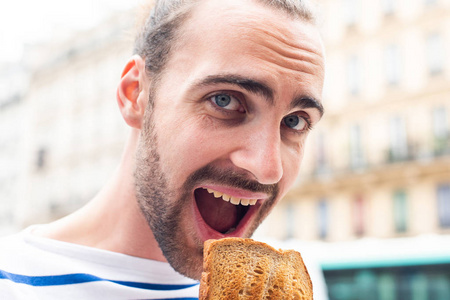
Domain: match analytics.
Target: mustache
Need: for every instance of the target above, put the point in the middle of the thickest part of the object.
(230, 178)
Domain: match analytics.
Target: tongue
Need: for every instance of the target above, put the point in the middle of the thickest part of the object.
(218, 214)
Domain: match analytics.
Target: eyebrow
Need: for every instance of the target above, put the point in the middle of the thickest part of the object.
(247, 84)
(257, 87)
(308, 102)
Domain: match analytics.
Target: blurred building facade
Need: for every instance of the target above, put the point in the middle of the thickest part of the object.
(13, 84)
(376, 172)
(61, 134)
(378, 165)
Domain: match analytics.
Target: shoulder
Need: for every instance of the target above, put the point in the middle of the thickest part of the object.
(11, 245)
(30, 265)
(15, 252)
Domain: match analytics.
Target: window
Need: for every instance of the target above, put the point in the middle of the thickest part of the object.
(41, 158)
(387, 289)
(435, 53)
(356, 148)
(13, 83)
(290, 221)
(321, 159)
(439, 286)
(358, 216)
(353, 75)
(398, 141)
(388, 7)
(419, 286)
(366, 281)
(440, 122)
(323, 218)
(443, 199)
(391, 282)
(400, 211)
(430, 2)
(440, 131)
(350, 12)
(392, 64)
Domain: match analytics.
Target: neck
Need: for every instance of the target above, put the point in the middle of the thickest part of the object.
(112, 220)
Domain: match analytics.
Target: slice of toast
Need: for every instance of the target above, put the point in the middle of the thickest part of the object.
(235, 268)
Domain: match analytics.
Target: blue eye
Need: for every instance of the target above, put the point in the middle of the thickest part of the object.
(295, 122)
(222, 100)
(227, 102)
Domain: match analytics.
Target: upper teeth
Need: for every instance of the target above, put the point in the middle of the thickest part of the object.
(233, 200)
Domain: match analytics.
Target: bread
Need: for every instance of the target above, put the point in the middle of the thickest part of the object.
(235, 268)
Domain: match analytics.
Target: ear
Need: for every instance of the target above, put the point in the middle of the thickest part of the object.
(132, 92)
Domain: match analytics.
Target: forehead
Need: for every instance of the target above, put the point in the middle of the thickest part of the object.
(219, 14)
(252, 39)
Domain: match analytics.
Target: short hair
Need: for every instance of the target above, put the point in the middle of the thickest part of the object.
(158, 34)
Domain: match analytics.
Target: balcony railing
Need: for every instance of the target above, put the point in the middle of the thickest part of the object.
(412, 152)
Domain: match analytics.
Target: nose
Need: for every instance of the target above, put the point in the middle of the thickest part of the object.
(259, 153)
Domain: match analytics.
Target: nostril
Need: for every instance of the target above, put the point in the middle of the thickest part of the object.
(270, 172)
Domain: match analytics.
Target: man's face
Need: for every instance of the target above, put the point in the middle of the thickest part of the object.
(224, 140)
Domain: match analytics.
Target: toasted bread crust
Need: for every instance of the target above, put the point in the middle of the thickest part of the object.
(235, 268)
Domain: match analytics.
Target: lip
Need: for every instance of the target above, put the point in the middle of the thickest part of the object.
(206, 232)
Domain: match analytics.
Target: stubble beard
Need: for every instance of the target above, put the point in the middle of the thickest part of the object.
(155, 200)
(164, 215)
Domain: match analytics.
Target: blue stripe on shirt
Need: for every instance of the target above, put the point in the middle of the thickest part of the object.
(52, 280)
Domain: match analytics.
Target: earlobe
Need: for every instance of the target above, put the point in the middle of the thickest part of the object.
(131, 92)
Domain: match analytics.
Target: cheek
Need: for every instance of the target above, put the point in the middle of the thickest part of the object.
(291, 167)
(187, 146)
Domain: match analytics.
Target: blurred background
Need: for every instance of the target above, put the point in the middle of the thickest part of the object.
(372, 203)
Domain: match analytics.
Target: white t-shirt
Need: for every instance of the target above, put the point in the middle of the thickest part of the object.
(32, 267)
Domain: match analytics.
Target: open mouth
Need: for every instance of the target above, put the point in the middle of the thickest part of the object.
(220, 211)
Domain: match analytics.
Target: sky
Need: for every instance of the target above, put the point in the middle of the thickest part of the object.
(29, 21)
